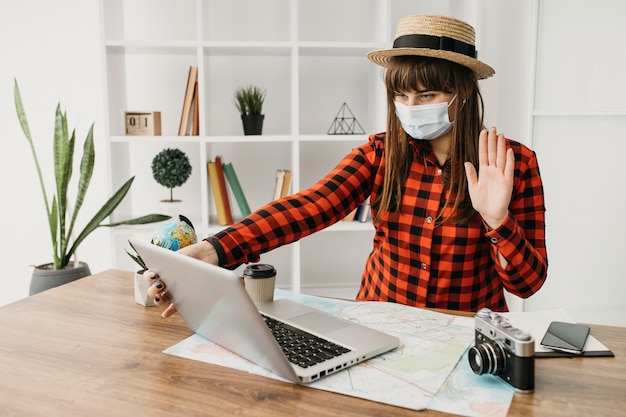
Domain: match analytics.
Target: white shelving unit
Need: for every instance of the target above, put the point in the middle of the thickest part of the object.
(310, 57)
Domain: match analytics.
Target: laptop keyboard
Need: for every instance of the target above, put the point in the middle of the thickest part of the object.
(302, 348)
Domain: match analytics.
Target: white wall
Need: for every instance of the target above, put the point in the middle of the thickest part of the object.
(504, 33)
(579, 135)
(52, 48)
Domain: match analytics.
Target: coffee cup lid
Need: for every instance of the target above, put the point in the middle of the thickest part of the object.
(259, 271)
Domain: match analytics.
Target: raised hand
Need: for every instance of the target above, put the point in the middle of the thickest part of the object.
(490, 188)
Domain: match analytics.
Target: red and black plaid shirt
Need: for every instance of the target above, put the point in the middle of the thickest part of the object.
(413, 260)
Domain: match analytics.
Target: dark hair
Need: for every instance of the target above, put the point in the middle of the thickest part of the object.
(406, 73)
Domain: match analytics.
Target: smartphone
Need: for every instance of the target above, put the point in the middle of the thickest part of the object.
(566, 337)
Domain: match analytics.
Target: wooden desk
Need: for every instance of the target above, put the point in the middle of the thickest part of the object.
(86, 349)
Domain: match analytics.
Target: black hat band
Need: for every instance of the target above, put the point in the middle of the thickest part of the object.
(442, 43)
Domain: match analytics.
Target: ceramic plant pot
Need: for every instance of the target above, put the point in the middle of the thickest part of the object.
(141, 286)
(172, 208)
(45, 277)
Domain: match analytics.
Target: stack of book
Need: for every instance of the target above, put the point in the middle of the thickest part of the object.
(221, 174)
(282, 184)
(224, 183)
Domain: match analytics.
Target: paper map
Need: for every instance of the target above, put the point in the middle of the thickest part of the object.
(428, 370)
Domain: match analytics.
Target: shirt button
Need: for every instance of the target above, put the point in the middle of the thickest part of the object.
(424, 266)
(439, 171)
(494, 240)
(429, 220)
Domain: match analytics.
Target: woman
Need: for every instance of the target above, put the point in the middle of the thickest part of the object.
(458, 209)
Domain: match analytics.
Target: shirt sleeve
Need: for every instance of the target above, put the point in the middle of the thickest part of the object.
(293, 217)
(521, 238)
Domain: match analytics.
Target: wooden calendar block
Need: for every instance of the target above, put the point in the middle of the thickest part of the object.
(143, 123)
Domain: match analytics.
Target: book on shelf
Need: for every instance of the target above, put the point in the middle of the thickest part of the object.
(350, 216)
(364, 212)
(278, 184)
(192, 79)
(286, 187)
(235, 187)
(223, 190)
(195, 126)
(282, 183)
(217, 193)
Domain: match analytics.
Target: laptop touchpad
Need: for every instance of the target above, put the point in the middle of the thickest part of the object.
(319, 322)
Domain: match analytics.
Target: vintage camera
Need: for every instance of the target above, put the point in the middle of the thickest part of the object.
(503, 350)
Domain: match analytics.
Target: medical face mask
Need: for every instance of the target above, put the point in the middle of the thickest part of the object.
(426, 121)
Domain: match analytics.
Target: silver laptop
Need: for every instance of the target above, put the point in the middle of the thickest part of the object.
(214, 304)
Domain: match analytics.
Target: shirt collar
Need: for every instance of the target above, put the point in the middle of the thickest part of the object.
(423, 149)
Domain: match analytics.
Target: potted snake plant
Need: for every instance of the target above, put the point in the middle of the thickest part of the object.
(65, 267)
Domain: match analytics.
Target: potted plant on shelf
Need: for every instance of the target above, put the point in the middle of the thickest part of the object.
(171, 169)
(61, 219)
(249, 101)
(173, 235)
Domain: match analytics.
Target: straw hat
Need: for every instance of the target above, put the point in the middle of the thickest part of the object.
(435, 36)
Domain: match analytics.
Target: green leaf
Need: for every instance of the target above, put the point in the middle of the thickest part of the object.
(63, 158)
(249, 99)
(60, 152)
(135, 257)
(105, 211)
(21, 115)
(149, 218)
(53, 221)
(102, 214)
(86, 171)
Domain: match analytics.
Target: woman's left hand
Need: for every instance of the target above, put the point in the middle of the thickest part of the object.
(490, 188)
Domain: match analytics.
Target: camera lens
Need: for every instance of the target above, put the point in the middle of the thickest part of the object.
(487, 358)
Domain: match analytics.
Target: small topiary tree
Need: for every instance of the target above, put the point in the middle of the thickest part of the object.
(171, 168)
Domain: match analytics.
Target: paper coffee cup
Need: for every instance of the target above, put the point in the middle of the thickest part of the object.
(260, 281)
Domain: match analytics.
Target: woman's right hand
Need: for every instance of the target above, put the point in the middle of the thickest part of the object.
(158, 292)
(202, 250)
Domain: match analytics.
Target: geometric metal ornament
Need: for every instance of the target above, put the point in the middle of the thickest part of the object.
(345, 123)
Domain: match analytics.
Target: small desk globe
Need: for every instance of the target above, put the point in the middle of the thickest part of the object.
(175, 235)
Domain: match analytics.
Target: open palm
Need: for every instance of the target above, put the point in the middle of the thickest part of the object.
(490, 188)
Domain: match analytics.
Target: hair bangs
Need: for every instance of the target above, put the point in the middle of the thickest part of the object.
(417, 73)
